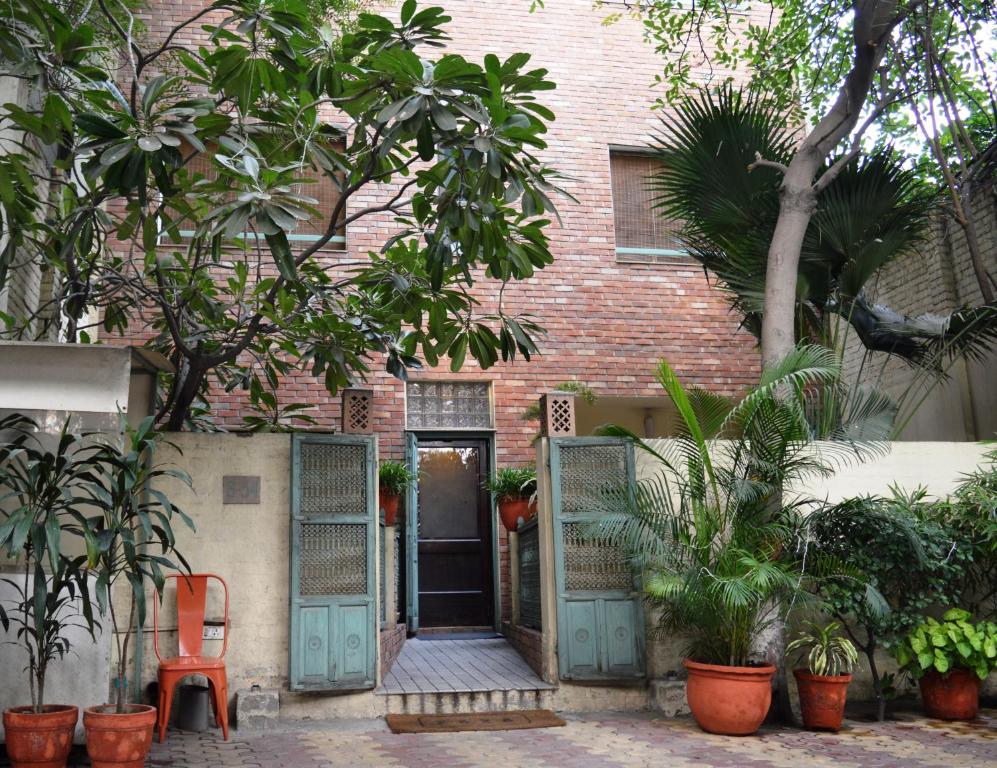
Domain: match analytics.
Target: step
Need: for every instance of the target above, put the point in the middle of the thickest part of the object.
(463, 702)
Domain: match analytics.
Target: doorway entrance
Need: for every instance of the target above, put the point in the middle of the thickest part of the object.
(454, 552)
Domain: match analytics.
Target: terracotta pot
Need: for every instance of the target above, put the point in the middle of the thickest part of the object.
(40, 740)
(389, 503)
(119, 740)
(952, 696)
(822, 699)
(510, 510)
(732, 701)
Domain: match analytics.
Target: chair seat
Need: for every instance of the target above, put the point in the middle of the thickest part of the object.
(187, 662)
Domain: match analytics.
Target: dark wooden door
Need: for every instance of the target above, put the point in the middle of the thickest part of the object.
(455, 542)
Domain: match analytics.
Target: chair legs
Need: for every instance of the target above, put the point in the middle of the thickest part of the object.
(218, 691)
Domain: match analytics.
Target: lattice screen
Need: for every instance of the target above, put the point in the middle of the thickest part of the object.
(333, 559)
(557, 414)
(358, 407)
(587, 472)
(333, 479)
(591, 563)
(529, 577)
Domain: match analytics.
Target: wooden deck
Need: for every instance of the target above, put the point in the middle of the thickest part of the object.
(459, 666)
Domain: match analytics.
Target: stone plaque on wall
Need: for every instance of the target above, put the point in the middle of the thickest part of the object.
(241, 489)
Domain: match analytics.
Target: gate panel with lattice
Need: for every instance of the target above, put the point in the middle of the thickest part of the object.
(600, 621)
(333, 551)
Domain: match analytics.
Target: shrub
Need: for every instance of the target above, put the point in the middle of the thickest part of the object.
(955, 641)
(827, 652)
(513, 483)
(395, 478)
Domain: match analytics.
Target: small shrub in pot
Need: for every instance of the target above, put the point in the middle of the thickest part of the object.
(513, 488)
(823, 683)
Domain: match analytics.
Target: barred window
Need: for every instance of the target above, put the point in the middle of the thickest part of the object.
(643, 233)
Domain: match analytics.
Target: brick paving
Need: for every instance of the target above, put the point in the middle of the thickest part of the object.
(608, 740)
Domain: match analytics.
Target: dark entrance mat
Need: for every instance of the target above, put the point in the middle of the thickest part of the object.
(481, 721)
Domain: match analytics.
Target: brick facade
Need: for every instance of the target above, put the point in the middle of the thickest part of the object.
(608, 322)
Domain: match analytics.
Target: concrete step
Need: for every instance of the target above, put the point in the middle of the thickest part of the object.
(463, 702)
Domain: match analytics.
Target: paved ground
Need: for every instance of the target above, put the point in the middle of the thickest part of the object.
(596, 741)
(449, 665)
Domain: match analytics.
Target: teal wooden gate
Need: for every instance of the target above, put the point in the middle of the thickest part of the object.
(412, 536)
(333, 549)
(600, 619)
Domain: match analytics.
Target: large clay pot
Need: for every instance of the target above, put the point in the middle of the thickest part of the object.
(119, 740)
(952, 696)
(389, 503)
(40, 740)
(732, 701)
(822, 699)
(510, 510)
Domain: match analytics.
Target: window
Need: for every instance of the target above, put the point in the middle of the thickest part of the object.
(322, 189)
(448, 405)
(643, 234)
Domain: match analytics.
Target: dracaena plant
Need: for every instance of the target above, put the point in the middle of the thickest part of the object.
(184, 183)
(395, 477)
(826, 651)
(44, 481)
(513, 483)
(130, 541)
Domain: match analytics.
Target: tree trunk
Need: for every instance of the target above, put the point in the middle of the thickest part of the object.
(187, 384)
(797, 201)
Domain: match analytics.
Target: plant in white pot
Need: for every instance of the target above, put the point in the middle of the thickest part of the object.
(39, 488)
(130, 539)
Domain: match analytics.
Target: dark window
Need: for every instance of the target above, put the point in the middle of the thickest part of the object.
(322, 189)
(643, 233)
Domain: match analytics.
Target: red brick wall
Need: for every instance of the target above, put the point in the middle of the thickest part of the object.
(392, 641)
(608, 323)
(528, 642)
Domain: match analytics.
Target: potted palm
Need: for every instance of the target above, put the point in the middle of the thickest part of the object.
(709, 532)
(513, 489)
(950, 659)
(39, 490)
(823, 684)
(394, 479)
(129, 540)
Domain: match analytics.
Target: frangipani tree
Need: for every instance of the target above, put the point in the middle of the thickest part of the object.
(166, 193)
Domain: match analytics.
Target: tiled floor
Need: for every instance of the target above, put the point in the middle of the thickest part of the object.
(432, 666)
(594, 741)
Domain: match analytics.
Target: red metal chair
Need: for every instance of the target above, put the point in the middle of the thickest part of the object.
(192, 591)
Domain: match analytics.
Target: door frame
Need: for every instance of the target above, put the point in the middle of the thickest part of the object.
(412, 558)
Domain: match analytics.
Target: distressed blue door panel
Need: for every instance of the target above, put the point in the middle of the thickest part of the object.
(352, 642)
(315, 650)
(333, 612)
(582, 657)
(599, 614)
(622, 644)
(412, 536)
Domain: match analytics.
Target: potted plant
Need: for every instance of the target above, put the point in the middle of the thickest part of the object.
(823, 684)
(709, 531)
(39, 490)
(128, 540)
(950, 659)
(394, 479)
(513, 488)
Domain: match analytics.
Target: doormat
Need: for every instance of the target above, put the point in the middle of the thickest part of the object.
(481, 721)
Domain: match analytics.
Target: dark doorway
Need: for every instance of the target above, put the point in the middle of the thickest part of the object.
(455, 534)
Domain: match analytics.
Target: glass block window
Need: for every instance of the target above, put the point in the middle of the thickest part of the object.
(643, 233)
(448, 405)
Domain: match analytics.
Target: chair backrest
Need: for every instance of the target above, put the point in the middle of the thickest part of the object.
(192, 592)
